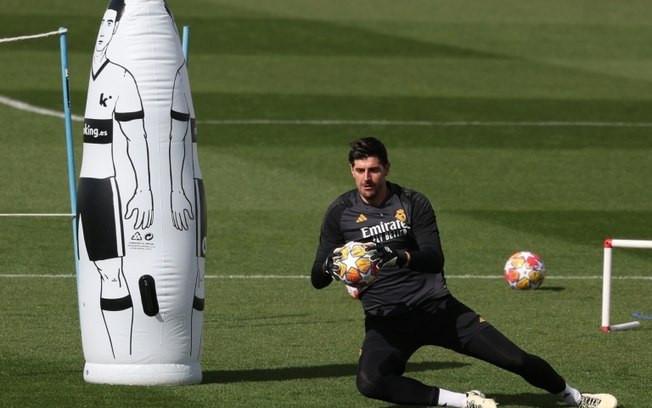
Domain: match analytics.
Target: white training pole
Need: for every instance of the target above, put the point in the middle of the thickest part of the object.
(631, 243)
(609, 244)
(65, 84)
(625, 326)
(606, 286)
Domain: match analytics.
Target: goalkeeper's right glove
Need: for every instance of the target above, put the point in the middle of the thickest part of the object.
(390, 257)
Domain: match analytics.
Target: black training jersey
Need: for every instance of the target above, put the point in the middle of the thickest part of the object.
(404, 221)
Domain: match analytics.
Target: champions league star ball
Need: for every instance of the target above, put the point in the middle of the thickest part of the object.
(356, 267)
(524, 270)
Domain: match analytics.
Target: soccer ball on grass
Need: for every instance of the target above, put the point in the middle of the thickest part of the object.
(356, 266)
(524, 270)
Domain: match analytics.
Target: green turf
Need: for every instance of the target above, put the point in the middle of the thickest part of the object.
(526, 123)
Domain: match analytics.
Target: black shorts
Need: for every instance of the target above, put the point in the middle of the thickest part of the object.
(98, 212)
(444, 322)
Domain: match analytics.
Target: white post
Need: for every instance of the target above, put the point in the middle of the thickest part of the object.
(606, 285)
(609, 244)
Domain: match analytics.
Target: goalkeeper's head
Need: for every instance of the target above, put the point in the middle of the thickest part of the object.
(368, 147)
(369, 168)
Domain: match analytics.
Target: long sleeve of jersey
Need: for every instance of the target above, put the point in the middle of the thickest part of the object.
(427, 254)
(330, 238)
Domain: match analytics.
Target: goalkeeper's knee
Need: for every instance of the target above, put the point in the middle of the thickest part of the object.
(369, 386)
(372, 382)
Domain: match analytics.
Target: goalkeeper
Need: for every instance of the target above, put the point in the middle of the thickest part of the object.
(409, 305)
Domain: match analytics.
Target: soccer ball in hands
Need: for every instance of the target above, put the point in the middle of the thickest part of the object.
(524, 270)
(357, 264)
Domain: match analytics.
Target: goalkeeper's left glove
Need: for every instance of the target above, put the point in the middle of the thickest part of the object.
(391, 257)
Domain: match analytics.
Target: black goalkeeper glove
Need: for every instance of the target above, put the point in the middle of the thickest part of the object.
(330, 265)
(391, 257)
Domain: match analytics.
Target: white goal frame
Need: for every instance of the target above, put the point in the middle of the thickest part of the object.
(609, 244)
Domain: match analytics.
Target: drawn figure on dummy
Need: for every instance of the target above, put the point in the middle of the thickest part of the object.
(182, 149)
(113, 108)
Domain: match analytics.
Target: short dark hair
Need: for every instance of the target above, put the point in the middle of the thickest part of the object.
(368, 147)
(118, 6)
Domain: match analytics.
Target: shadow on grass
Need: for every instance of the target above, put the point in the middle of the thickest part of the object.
(538, 400)
(552, 288)
(529, 399)
(296, 373)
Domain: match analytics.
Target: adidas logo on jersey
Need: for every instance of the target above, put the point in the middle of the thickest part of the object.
(361, 218)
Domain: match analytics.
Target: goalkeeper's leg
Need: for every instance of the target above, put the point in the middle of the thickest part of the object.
(380, 376)
(493, 347)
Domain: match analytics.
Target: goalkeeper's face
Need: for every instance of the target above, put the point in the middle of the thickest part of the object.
(369, 175)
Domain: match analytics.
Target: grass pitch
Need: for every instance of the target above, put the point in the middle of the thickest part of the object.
(526, 123)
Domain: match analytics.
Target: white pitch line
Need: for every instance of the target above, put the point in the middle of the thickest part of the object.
(293, 277)
(593, 277)
(35, 109)
(362, 122)
(35, 276)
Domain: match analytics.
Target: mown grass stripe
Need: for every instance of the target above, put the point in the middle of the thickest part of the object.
(371, 122)
(362, 122)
